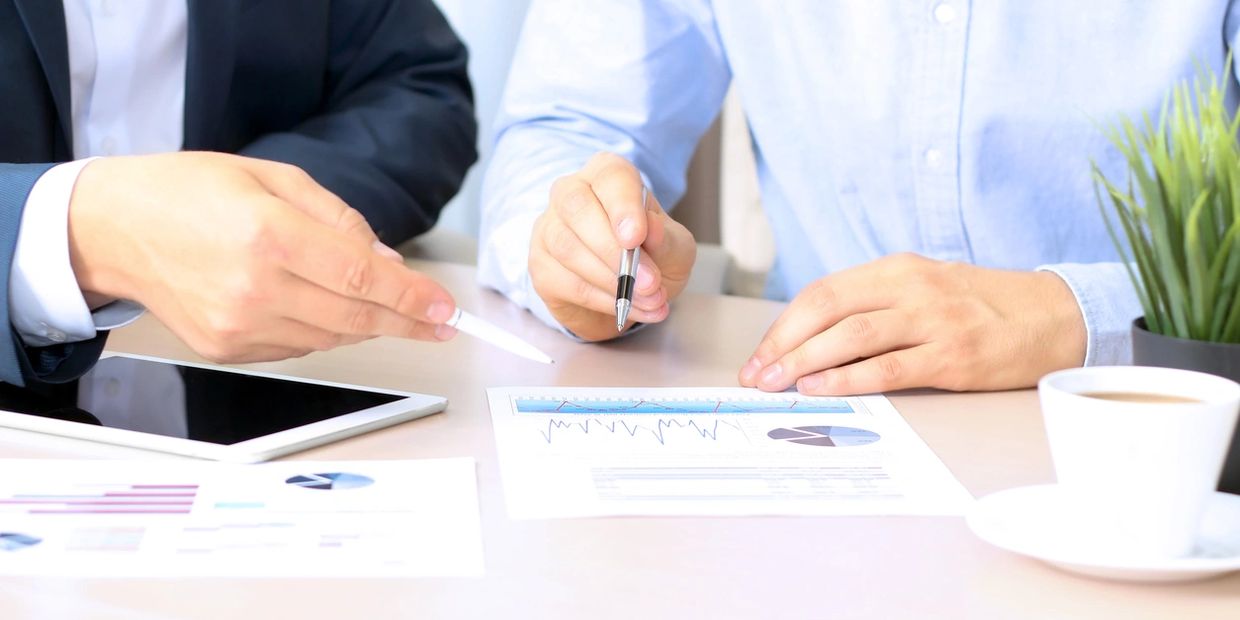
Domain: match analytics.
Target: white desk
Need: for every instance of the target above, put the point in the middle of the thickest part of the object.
(893, 567)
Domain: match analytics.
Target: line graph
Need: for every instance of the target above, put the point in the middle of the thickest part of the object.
(624, 428)
(612, 406)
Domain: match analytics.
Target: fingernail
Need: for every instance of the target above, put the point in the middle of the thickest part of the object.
(439, 312)
(812, 383)
(772, 374)
(444, 332)
(645, 279)
(386, 251)
(626, 229)
(750, 369)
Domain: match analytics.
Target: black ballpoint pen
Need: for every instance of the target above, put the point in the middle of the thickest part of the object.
(627, 279)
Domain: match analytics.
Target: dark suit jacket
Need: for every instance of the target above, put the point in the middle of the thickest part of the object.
(370, 97)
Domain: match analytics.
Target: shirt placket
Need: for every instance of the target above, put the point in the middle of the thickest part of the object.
(936, 160)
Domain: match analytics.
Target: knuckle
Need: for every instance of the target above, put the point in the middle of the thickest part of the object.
(328, 341)
(842, 380)
(822, 294)
(259, 237)
(890, 369)
(294, 174)
(226, 327)
(611, 163)
(581, 292)
(218, 351)
(576, 203)
(244, 292)
(408, 301)
(359, 277)
(858, 328)
(908, 260)
(605, 160)
(967, 347)
(795, 362)
(351, 220)
(560, 242)
(767, 347)
(361, 318)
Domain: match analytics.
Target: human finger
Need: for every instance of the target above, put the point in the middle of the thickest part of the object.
(563, 245)
(621, 191)
(821, 305)
(314, 305)
(854, 337)
(556, 283)
(296, 187)
(896, 370)
(574, 203)
(351, 268)
(668, 243)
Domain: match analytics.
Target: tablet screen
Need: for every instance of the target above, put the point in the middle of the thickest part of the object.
(168, 399)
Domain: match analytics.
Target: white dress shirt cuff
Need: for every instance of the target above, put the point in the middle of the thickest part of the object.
(45, 304)
(1108, 303)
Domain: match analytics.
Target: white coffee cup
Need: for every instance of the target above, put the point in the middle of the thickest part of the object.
(1135, 476)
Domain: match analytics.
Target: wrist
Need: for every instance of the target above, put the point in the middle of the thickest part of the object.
(91, 242)
(1067, 320)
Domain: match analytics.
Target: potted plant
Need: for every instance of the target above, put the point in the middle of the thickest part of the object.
(1178, 233)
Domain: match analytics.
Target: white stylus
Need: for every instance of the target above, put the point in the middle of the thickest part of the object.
(487, 332)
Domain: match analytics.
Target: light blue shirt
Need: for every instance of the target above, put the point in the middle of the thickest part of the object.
(960, 130)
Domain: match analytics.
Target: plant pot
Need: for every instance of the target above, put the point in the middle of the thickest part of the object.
(1150, 349)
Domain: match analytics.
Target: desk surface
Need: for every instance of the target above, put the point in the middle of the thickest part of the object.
(796, 567)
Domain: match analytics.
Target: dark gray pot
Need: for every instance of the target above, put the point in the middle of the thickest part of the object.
(1150, 349)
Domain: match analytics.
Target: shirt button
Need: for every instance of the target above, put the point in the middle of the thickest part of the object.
(933, 157)
(944, 13)
(108, 145)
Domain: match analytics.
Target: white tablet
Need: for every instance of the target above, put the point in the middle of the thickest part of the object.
(210, 412)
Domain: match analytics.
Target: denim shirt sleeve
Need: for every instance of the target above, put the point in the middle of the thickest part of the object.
(1108, 303)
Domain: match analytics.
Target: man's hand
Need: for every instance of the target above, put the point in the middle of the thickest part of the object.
(593, 217)
(906, 321)
(244, 259)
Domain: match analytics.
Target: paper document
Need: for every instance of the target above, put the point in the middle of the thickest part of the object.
(203, 519)
(577, 452)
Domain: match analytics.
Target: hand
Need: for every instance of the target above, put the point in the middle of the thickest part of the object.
(906, 321)
(594, 215)
(244, 259)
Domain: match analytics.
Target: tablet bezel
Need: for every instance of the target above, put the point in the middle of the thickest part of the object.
(266, 447)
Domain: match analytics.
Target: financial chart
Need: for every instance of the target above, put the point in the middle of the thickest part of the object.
(629, 451)
(201, 518)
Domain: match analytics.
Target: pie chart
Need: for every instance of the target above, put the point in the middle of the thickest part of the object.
(335, 481)
(12, 541)
(824, 436)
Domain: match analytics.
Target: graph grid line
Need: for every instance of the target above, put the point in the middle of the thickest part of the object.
(679, 407)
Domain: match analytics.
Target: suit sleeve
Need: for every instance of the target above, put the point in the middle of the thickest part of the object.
(397, 133)
(21, 364)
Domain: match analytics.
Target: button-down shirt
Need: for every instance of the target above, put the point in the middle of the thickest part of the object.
(127, 85)
(961, 130)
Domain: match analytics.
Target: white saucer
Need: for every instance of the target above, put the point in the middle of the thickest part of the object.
(1024, 520)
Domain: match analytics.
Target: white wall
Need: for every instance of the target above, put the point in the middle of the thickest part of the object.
(490, 28)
